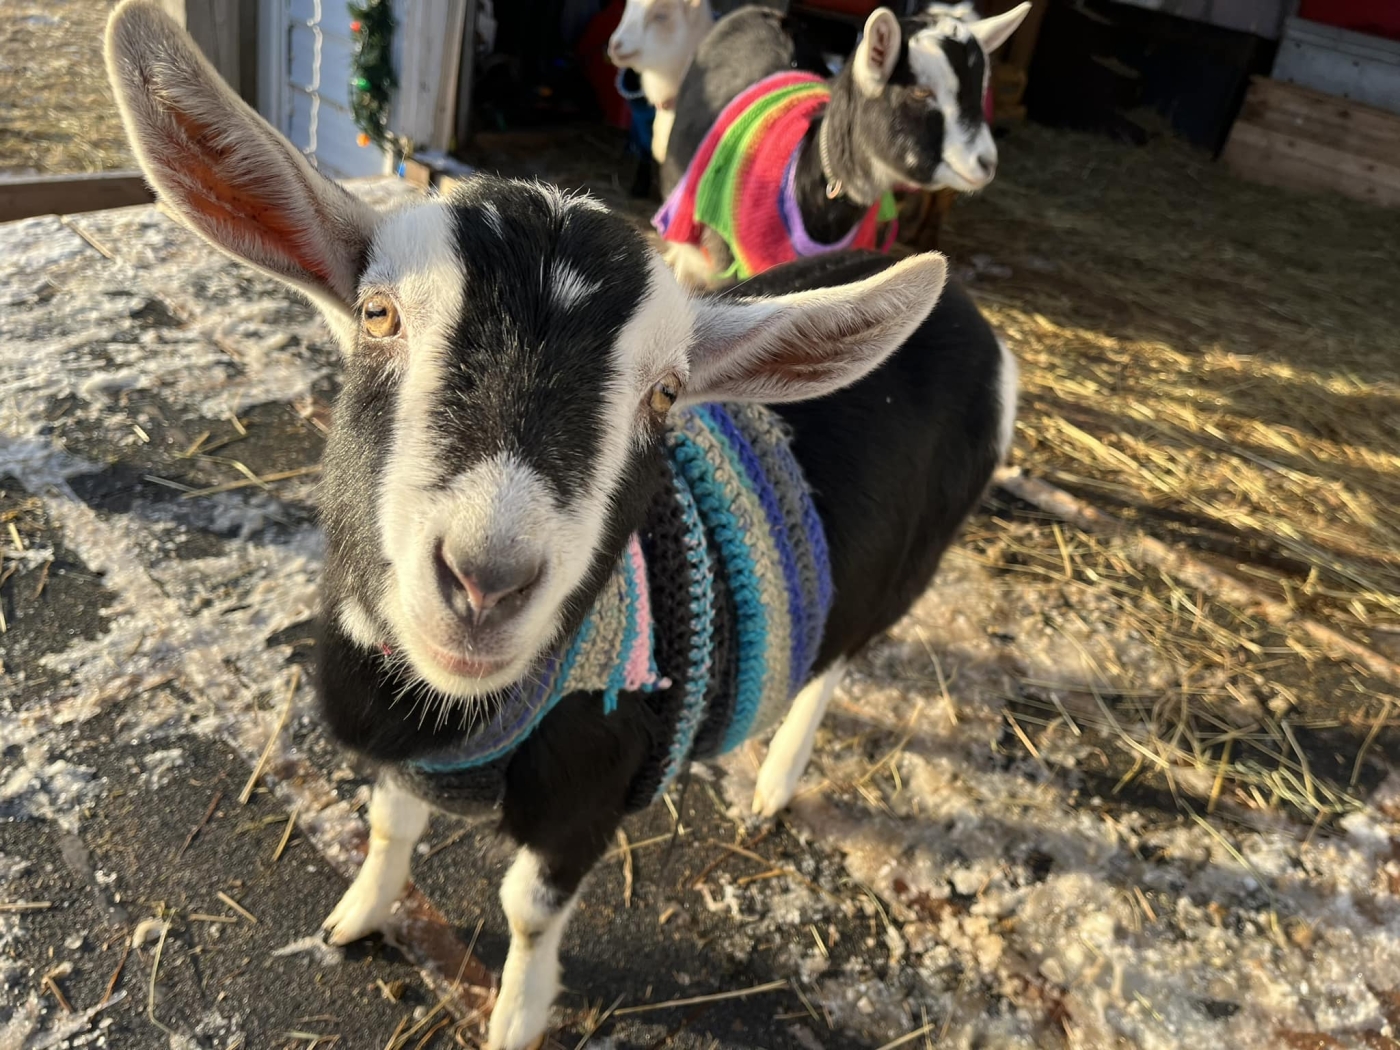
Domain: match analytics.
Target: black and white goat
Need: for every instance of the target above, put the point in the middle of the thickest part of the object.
(511, 355)
(906, 111)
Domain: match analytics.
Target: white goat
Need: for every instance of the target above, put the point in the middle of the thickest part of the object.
(658, 38)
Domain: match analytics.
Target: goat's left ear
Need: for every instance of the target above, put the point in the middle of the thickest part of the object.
(223, 170)
(877, 53)
(807, 344)
(992, 32)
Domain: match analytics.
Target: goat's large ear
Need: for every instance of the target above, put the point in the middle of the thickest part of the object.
(878, 52)
(223, 170)
(992, 32)
(803, 345)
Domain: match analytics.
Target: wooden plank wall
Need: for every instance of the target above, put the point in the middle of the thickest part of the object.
(1301, 139)
(430, 41)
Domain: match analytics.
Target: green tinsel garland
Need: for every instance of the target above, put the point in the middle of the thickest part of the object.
(372, 80)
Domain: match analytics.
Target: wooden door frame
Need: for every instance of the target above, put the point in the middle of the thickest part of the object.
(274, 28)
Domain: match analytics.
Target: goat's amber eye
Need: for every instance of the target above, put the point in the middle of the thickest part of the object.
(380, 317)
(664, 393)
(921, 94)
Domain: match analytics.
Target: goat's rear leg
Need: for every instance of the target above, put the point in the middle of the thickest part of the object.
(397, 820)
(791, 748)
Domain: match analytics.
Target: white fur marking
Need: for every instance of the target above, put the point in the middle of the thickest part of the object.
(570, 287)
(397, 820)
(530, 980)
(356, 621)
(791, 748)
(499, 504)
(1008, 381)
(493, 217)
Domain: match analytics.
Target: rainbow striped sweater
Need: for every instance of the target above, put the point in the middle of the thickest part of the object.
(714, 614)
(741, 183)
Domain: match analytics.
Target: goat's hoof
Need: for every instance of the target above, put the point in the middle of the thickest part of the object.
(776, 784)
(363, 910)
(514, 1033)
(520, 1018)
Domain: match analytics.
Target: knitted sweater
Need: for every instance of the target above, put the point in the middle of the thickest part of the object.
(713, 616)
(741, 181)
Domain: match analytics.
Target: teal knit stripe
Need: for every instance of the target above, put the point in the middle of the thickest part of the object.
(751, 622)
(699, 667)
(756, 512)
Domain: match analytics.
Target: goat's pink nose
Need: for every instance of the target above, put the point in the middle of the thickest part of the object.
(498, 585)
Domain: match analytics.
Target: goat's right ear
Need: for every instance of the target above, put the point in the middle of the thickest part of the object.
(223, 171)
(878, 52)
(808, 344)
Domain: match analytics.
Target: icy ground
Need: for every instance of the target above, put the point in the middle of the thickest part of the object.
(935, 873)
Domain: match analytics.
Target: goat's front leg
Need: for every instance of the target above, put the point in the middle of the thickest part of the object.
(566, 793)
(397, 820)
(537, 904)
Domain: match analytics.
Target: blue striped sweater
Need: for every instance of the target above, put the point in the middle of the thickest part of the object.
(714, 615)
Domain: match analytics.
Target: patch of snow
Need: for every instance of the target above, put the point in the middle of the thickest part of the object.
(319, 953)
(160, 766)
(1012, 887)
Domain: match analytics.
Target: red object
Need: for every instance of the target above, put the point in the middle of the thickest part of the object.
(354, 27)
(1377, 17)
(759, 228)
(602, 76)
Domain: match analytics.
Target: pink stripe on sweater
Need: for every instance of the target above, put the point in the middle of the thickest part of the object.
(637, 671)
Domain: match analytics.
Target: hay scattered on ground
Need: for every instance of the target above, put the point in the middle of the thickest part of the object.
(56, 111)
(1218, 364)
(1216, 359)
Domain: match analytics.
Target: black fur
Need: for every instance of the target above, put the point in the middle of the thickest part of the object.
(899, 460)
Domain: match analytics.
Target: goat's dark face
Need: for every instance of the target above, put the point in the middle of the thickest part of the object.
(512, 354)
(919, 96)
(516, 353)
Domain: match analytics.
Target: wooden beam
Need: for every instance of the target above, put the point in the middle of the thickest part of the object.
(466, 77)
(1300, 139)
(67, 194)
(430, 40)
(1278, 159)
(215, 27)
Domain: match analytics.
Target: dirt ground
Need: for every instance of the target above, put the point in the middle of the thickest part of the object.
(1074, 799)
(56, 112)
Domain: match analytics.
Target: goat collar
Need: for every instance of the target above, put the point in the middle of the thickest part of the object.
(833, 184)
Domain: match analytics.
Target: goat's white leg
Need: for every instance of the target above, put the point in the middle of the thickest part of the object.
(537, 913)
(661, 133)
(397, 820)
(791, 748)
